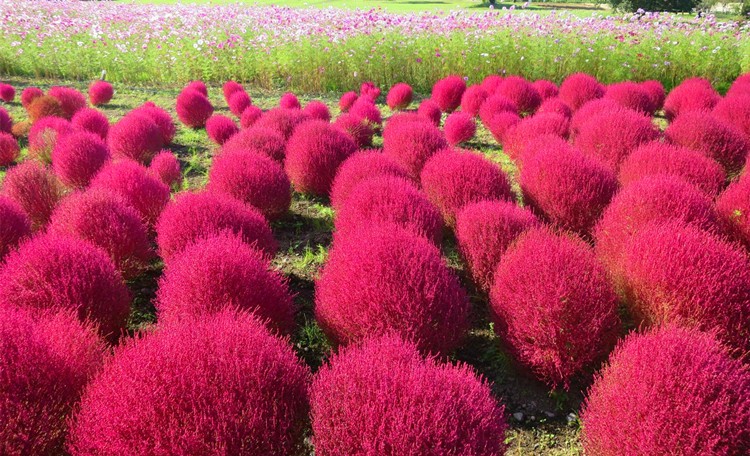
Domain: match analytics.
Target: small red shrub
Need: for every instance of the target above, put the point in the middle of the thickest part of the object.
(7, 93)
(43, 136)
(238, 102)
(459, 127)
(93, 121)
(694, 94)
(631, 95)
(399, 97)
(136, 136)
(70, 100)
(580, 88)
(521, 93)
(494, 105)
(672, 390)
(733, 206)
(317, 110)
(491, 83)
(229, 88)
(101, 93)
(15, 225)
(356, 127)
(250, 115)
(555, 105)
(220, 128)
(369, 90)
(546, 89)
(520, 134)
(347, 100)
(473, 99)
(358, 167)
(589, 111)
(35, 189)
(447, 93)
(389, 280)
(44, 106)
(262, 140)
(193, 108)
(740, 86)
(500, 123)
(162, 119)
(656, 95)
(382, 397)
(166, 167)
(289, 101)
(30, 94)
(366, 109)
(9, 150)
(734, 111)
(198, 86)
(411, 144)
(430, 111)
(281, 120)
(77, 157)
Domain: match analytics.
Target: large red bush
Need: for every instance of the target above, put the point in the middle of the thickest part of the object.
(220, 128)
(669, 391)
(735, 111)
(473, 99)
(358, 167)
(553, 307)
(518, 136)
(136, 136)
(347, 100)
(166, 167)
(494, 105)
(93, 121)
(588, 111)
(580, 88)
(500, 123)
(35, 189)
(459, 127)
(317, 110)
(283, 121)
(249, 116)
(356, 127)
(43, 136)
(388, 280)
(430, 111)
(229, 88)
(447, 93)
(193, 108)
(694, 94)
(369, 90)
(78, 157)
(656, 95)
(258, 139)
(162, 119)
(555, 105)
(30, 94)
(411, 144)
(547, 89)
(631, 95)
(238, 102)
(521, 92)
(221, 384)
(366, 109)
(289, 101)
(70, 100)
(7, 93)
(100, 92)
(733, 206)
(399, 97)
(484, 231)
(491, 82)
(9, 150)
(15, 225)
(383, 398)
(198, 86)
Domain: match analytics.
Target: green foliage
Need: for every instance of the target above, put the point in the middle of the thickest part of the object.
(675, 6)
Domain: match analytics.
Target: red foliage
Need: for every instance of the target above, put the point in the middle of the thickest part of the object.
(491, 83)
(198, 86)
(694, 94)
(70, 100)
(580, 88)
(356, 127)
(93, 121)
(218, 384)
(281, 120)
(162, 119)
(43, 136)
(7, 93)
(429, 110)
(555, 105)
(347, 100)
(289, 101)
(369, 91)
(518, 136)
(521, 92)
(30, 94)
(15, 225)
(734, 111)
(631, 95)
(35, 189)
(500, 123)
(258, 139)
(77, 157)
(546, 89)
(220, 128)
(590, 110)
(238, 102)
(44, 106)
(193, 108)
(166, 168)
(9, 150)
(389, 280)
(101, 93)
(494, 105)
(447, 93)
(358, 167)
(411, 144)
(229, 88)
(383, 398)
(459, 127)
(317, 110)
(473, 99)
(399, 97)
(656, 95)
(672, 390)
(733, 206)
(136, 136)
(250, 115)
(740, 86)
(366, 109)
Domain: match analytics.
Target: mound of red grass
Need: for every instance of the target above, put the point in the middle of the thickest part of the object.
(383, 395)
(30, 94)
(258, 139)
(411, 144)
(35, 189)
(357, 127)
(133, 182)
(193, 216)
(740, 86)
(198, 86)
(6, 123)
(46, 363)
(733, 206)
(221, 383)
(491, 83)
(555, 105)
(369, 90)
(366, 109)
(500, 123)
(136, 136)
(71, 100)
(282, 121)
(388, 199)
(358, 167)
(671, 390)
(430, 111)
(78, 157)
(7, 93)
(494, 105)
(580, 88)
(254, 179)
(165, 167)
(631, 95)
(44, 106)
(484, 231)
(229, 88)
(734, 111)
(238, 102)
(347, 100)
(15, 225)
(100, 93)
(521, 92)
(547, 89)
(193, 108)
(694, 94)
(447, 93)
(9, 150)
(589, 111)
(399, 97)
(220, 128)
(656, 158)
(65, 273)
(389, 280)
(289, 101)
(520, 134)
(317, 110)
(553, 307)
(162, 119)
(93, 121)
(250, 115)
(43, 136)
(703, 132)
(473, 99)
(656, 95)
(452, 179)
(459, 127)
(314, 153)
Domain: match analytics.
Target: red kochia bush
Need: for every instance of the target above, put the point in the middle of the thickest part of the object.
(77, 157)
(198, 86)
(6, 123)
(314, 153)
(411, 144)
(260, 140)
(65, 273)
(356, 127)
(694, 94)
(289, 101)
(9, 149)
(166, 168)
(733, 206)
(669, 391)
(566, 187)
(366, 109)
(611, 136)
(491, 83)
(740, 86)
(70, 100)
(44, 106)
(192, 216)
(494, 105)
(35, 189)
(238, 102)
(100, 93)
(383, 398)
(358, 167)
(517, 137)
(253, 179)
(91, 120)
(46, 363)
(388, 199)
(221, 384)
(553, 306)
(656, 95)
(104, 219)
(459, 127)
(223, 272)
(7, 93)
(452, 179)
(136, 136)
(546, 89)
(229, 88)
(193, 108)
(660, 158)
(735, 111)
(720, 141)
(521, 93)
(369, 90)
(44, 134)
(555, 105)
(447, 93)
(473, 99)
(386, 279)
(132, 181)
(588, 111)
(579, 88)
(484, 231)
(249, 116)
(430, 111)
(347, 100)
(317, 110)
(15, 225)
(678, 273)
(500, 123)
(281, 120)
(399, 97)
(162, 119)
(220, 128)
(30, 94)
(631, 95)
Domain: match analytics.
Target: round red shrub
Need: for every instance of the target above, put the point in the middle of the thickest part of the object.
(484, 231)
(132, 181)
(162, 119)
(136, 136)
(30, 94)
(9, 150)
(677, 273)
(198, 86)
(220, 128)
(219, 384)
(521, 93)
(369, 90)
(46, 363)
(347, 100)
(166, 167)
(631, 95)
(734, 111)
(430, 111)
(399, 97)
(733, 206)
(281, 120)
(517, 137)
(500, 123)
(317, 110)
(43, 136)
(7, 93)
(262, 140)
(91, 120)
(229, 88)
(314, 153)
(568, 188)
(44, 106)
(453, 179)
(491, 83)
(611, 136)
(250, 115)
(578, 89)
(473, 99)
(383, 397)
(358, 167)
(389, 280)
(459, 127)
(661, 158)
(411, 144)
(193, 108)
(694, 94)
(447, 93)
(35, 189)
(65, 273)
(553, 306)
(656, 95)
(672, 390)
(254, 179)
(494, 105)
(547, 89)
(193, 216)
(388, 199)
(555, 105)
(100, 93)
(70, 100)
(356, 127)
(223, 272)
(78, 157)
(15, 225)
(590, 110)
(366, 109)
(104, 219)
(289, 101)
(740, 86)
(238, 102)
(703, 132)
